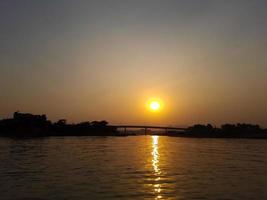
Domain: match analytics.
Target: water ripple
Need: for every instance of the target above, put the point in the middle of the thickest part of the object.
(140, 167)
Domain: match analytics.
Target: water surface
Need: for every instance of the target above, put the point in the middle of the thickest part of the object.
(136, 167)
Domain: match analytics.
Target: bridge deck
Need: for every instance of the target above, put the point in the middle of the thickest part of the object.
(149, 127)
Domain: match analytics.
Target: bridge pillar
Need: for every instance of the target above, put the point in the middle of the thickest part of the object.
(124, 130)
(145, 131)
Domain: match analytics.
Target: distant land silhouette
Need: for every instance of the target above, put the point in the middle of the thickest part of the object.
(25, 124)
(29, 125)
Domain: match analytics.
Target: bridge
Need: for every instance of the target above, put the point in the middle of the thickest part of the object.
(146, 128)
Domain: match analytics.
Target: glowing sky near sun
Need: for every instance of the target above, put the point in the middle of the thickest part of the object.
(92, 60)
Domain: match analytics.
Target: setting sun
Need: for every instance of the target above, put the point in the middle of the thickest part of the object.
(154, 105)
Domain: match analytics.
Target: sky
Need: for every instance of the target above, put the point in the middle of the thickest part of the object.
(85, 60)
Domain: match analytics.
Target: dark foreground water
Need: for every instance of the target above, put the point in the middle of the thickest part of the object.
(137, 167)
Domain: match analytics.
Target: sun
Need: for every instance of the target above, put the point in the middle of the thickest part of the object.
(154, 105)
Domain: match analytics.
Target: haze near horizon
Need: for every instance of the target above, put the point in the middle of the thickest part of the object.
(92, 60)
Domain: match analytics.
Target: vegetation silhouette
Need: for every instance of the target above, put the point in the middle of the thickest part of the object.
(29, 125)
(226, 131)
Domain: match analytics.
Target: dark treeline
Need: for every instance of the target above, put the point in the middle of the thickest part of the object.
(24, 124)
(29, 125)
(225, 131)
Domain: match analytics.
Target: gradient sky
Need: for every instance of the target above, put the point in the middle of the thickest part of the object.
(92, 60)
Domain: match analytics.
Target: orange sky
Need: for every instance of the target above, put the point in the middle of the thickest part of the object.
(93, 60)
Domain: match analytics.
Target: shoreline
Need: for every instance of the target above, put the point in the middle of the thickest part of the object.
(127, 135)
(31, 126)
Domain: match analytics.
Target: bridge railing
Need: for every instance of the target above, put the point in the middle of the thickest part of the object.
(146, 128)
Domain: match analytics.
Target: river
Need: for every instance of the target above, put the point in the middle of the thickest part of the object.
(133, 167)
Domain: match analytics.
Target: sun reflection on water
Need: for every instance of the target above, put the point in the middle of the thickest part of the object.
(155, 164)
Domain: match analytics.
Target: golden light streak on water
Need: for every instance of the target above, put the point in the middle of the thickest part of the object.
(155, 164)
